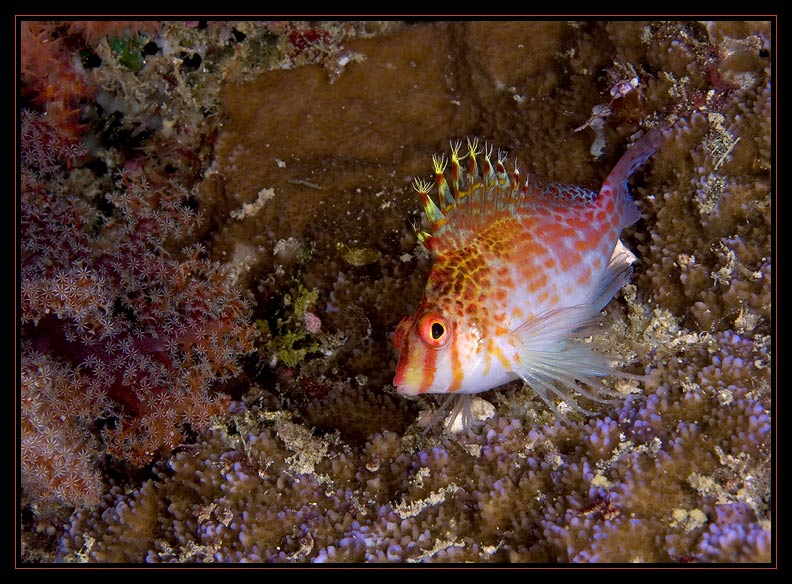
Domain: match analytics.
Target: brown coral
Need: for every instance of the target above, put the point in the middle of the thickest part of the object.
(269, 490)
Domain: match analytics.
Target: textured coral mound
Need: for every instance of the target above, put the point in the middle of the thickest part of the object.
(678, 476)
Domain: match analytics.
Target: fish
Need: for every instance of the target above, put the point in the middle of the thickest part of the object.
(521, 270)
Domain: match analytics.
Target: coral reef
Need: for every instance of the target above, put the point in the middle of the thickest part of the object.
(49, 79)
(305, 204)
(267, 489)
(124, 330)
(116, 328)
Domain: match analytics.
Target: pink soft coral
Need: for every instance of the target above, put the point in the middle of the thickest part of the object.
(51, 79)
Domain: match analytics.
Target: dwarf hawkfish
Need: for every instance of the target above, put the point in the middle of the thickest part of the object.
(521, 269)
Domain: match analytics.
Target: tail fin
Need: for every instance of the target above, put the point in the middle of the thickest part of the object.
(616, 183)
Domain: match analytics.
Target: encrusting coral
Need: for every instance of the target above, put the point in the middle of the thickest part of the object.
(305, 204)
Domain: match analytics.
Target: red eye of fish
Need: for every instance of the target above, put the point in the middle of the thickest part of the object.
(434, 330)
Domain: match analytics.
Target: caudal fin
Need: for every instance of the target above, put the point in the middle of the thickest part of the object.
(616, 184)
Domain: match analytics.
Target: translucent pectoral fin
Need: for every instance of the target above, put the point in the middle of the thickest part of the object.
(558, 367)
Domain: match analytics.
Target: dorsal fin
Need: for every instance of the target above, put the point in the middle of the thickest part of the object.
(468, 199)
(480, 193)
(476, 195)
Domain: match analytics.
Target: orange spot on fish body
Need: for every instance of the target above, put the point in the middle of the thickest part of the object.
(569, 259)
(577, 223)
(537, 283)
(495, 350)
(487, 361)
(531, 247)
(585, 277)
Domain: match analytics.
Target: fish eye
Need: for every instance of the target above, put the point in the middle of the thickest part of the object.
(434, 330)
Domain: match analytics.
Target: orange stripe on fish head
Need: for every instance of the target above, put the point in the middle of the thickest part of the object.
(416, 369)
(433, 356)
(400, 335)
(420, 341)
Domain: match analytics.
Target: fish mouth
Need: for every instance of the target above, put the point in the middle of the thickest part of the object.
(402, 385)
(405, 390)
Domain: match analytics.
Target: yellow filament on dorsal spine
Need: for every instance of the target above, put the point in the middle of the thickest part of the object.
(446, 198)
(433, 214)
(422, 186)
(502, 175)
(514, 191)
(489, 172)
(473, 152)
(457, 180)
(439, 163)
